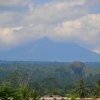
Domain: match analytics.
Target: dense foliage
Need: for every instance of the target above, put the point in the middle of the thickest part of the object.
(23, 80)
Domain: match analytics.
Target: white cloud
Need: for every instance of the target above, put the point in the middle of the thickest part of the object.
(55, 12)
(97, 50)
(60, 20)
(7, 38)
(11, 37)
(6, 18)
(6, 35)
(85, 29)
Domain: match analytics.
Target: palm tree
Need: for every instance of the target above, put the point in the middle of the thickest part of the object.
(24, 92)
(97, 89)
(27, 94)
(33, 95)
(82, 89)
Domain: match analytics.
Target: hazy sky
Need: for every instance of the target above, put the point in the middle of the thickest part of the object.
(23, 21)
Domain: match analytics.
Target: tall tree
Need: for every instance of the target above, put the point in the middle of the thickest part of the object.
(34, 95)
(20, 79)
(97, 89)
(82, 89)
(6, 93)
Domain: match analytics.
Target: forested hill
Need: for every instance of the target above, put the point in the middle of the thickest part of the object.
(62, 71)
(47, 77)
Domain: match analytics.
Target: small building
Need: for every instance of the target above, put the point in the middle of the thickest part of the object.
(52, 97)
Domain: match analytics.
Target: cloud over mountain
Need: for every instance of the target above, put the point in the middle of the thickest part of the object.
(61, 20)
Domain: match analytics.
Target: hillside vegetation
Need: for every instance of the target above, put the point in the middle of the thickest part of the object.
(49, 77)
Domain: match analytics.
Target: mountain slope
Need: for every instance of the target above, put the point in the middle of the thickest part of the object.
(47, 50)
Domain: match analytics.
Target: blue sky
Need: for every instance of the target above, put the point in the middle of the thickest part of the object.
(24, 21)
(41, 1)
